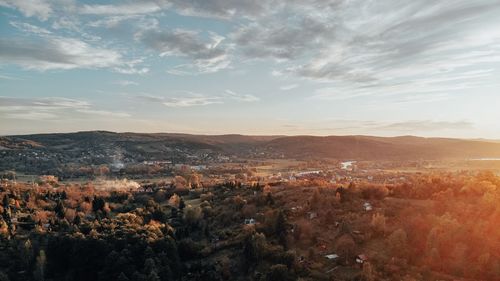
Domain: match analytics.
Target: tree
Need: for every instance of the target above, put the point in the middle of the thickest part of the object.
(459, 257)
(434, 259)
(277, 272)
(6, 201)
(378, 223)
(153, 276)
(182, 205)
(281, 229)
(368, 272)
(149, 266)
(180, 182)
(269, 199)
(345, 247)
(41, 261)
(192, 215)
(122, 277)
(253, 247)
(174, 200)
(329, 218)
(77, 220)
(398, 244)
(4, 228)
(59, 209)
(98, 204)
(315, 199)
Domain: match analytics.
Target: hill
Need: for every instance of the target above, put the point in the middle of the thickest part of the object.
(45, 152)
(383, 148)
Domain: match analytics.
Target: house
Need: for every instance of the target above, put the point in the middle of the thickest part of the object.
(249, 221)
(332, 256)
(312, 215)
(361, 259)
(367, 206)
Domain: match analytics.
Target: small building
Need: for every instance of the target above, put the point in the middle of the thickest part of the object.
(367, 206)
(312, 215)
(361, 259)
(332, 256)
(249, 221)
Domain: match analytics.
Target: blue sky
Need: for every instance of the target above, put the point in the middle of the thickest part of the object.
(322, 67)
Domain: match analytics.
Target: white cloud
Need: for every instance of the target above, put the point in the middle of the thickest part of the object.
(26, 27)
(125, 83)
(206, 56)
(57, 53)
(241, 97)
(8, 77)
(49, 52)
(50, 108)
(183, 99)
(104, 113)
(189, 99)
(132, 8)
(30, 8)
(288, 87)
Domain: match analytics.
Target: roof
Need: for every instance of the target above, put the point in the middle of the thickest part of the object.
(362, 257)
(332, 256)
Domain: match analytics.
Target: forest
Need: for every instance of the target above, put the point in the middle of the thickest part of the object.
(435, 226)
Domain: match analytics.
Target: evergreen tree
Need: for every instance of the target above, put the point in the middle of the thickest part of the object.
(280, 229)
(59, 209)
(182, 204)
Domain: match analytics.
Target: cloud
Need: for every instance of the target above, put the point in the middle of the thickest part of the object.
(54, 52)
(125, 83)
(132, 8)
(48, 102)
(426, 126)
(38, 108)
(288, 87)
(372, 48)
(380, 128)
(409, 45)
(8, 77)
(206, 55)
(104, 113)
(189, 99)
(30, 8)
(50, 108)
(220, 8)
(283, 37)
(241, 97)
(26, 27)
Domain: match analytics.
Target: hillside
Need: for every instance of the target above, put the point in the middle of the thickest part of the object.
(44, 152)
(373, 148)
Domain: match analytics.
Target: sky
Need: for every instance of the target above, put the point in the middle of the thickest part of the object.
(288, 67)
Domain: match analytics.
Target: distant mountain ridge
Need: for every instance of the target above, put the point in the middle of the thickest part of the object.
(340, 147)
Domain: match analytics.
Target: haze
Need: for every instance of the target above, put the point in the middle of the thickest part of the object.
(427, 68)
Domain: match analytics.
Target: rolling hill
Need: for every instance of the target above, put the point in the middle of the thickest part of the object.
(142, 146)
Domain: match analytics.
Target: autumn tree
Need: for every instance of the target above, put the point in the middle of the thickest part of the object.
(174, 200)
(398, 243)
(367, 272)
(345, 247)
(378, 223)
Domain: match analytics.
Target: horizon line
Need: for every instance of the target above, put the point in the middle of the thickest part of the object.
(241, 134)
